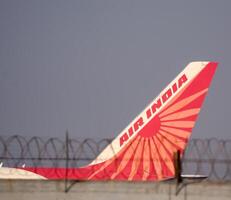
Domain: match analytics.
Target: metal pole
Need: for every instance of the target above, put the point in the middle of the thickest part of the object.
(178, 167)
(67, 161)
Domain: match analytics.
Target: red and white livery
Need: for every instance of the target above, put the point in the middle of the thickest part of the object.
(144, 150)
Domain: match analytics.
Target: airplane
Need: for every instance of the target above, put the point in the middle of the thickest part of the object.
(145, 149)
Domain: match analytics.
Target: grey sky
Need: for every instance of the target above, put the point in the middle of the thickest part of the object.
(92, 66)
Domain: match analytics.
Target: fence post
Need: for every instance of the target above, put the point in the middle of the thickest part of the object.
(67, 160)
(177, 166)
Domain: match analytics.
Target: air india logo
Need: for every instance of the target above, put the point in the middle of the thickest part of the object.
(153, 124)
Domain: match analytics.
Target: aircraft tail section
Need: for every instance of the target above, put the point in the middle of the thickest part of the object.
(144, 150)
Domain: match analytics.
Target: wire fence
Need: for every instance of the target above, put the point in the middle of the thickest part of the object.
(211, 157)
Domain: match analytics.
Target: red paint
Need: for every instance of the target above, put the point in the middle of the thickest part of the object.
(147, 131)
(151, 128)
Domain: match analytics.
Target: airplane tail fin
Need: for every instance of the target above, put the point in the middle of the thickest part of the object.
(144, 150)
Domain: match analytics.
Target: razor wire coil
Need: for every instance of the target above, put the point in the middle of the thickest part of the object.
(211, 157)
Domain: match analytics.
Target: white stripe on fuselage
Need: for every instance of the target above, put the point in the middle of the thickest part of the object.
(14, 173)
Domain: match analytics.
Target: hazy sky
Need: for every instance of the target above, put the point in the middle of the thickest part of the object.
(92, 66)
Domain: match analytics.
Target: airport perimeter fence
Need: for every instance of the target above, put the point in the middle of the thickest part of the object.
(211, 157)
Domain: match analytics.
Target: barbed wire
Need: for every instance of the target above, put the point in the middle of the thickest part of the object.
(211, 157)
